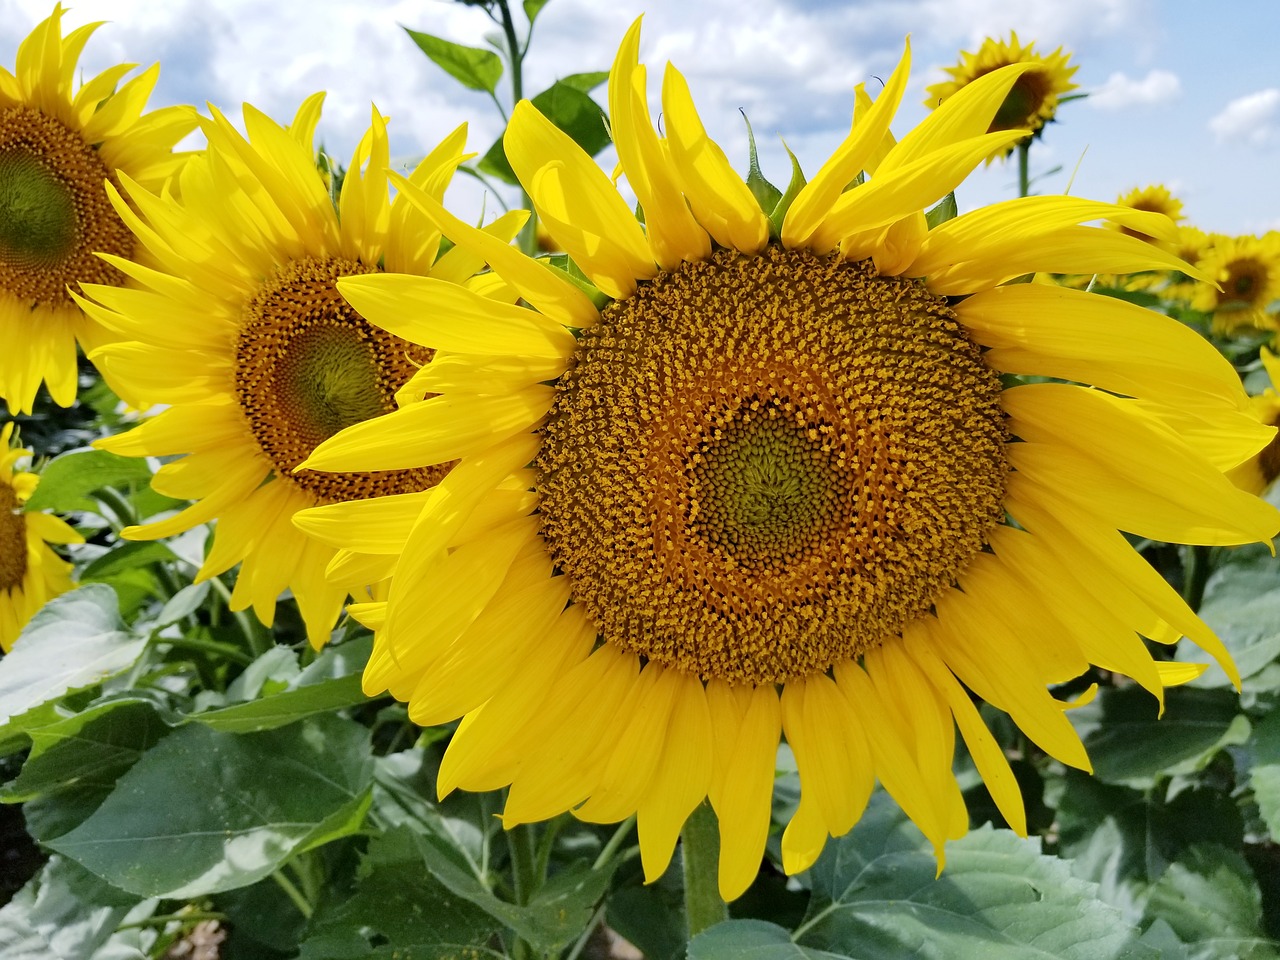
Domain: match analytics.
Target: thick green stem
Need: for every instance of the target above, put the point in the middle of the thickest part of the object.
(1196, 567)
(700, 843)
(524, 861)
(293, 893)
(1024, 168)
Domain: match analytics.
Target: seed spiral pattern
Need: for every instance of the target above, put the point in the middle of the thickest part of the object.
(307, 366)
(758, 466)
(54, 213)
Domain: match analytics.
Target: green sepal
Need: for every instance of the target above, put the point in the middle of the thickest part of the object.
(793, 190)
(944, 210)
(766, 194)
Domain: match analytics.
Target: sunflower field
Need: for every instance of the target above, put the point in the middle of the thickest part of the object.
(681, 560)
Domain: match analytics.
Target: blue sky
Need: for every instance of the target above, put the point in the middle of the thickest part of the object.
(1184, 93)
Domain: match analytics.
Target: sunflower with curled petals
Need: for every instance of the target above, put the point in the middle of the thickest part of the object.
(241, 333)
(1033, 99)
(58, 144)
(765, 489)
(31, 574)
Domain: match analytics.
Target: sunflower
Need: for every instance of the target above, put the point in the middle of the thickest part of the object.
(241, 333)
(765, 488)
(1246, 270)
(1030, 103)
(31, 574)
(58, 145)
(1261, 470)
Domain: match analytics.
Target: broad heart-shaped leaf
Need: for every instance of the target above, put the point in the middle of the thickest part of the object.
(1210, 898)
(205, 811)
(1265, 773)
(67, 481)
(331, 682)
(1124, 840)
(397, 904)
(1242, 605)
(473, 67)
(567, 104)
(752, 940)
(1128, 743)
(76, 641)
(875, 897)
(75, 763)
(63, 913)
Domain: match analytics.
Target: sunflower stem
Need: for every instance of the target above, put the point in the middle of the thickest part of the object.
(700, 843)
(1196, 570)
(524, 861)
(1024, 168)
(293, 893)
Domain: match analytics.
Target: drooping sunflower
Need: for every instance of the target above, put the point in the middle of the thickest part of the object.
(770, 486)
(241, 333)
(1031, 102)
(1261, 470)
(58, 145)
(1247, 273)
(31, 574)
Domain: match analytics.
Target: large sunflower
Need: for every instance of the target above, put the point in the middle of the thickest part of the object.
(241, 333)
(770, 486)
(1032, 100)
(31, 574)
(1246, 270)
(58, 144)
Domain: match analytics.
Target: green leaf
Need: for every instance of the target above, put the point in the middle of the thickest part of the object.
(67, 481)
(473, 67)
(794, 186)
(76, 641)
(875, 897)
(1265, 773)
(126, 556)
(944, 210)
(1242, 605)
(205, 811)
(532, 8)
(63, 912)
(738, 939)
(587, 81)
(330, 683)
(1129, 744)
(397, 904)
(566, 104)
(1210, 897)
(181, 605)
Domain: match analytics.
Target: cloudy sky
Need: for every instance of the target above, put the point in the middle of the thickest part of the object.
(1185, 93)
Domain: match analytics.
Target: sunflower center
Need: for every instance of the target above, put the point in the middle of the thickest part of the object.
(308, 366)
(13, 540)
(1245, 279)
(1269, 458)
(1023, 102)
(761, 465)
(54, 212)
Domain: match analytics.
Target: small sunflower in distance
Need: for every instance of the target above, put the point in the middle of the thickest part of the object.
(1033, 99)
(1258, 472)
(241, 333)
(31, 574)
(58, 144)
(1156, 199)
(1247, 272)
(763, 489)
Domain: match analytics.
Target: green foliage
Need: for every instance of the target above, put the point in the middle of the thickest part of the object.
(568, 105)
(473, 67)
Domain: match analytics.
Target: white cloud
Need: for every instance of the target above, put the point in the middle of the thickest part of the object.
(1254, 118)
(1122, 91)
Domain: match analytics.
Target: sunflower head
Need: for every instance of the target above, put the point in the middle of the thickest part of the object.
(1033, 99)
(781, 479)
(59, 143)
(1246, 287)
(31, 573)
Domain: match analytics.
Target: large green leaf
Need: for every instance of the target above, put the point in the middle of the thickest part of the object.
(1211, 899)
(1128, 743)
(76, 641)
(875, 897)
(397, 904)
(565, 103)
(63, 912)
(1265, 773)
(473, 67)
(331, 682)
(754, 939)
(68, 480)
(205, 811)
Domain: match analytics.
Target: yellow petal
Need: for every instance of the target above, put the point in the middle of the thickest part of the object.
(745, 797)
